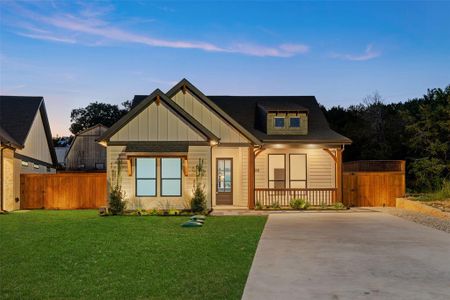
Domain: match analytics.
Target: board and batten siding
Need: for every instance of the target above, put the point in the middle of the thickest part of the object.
(208, 118)
(36, 145)
(320, 167)
(157, 123)
(86, 151)
(116, 155)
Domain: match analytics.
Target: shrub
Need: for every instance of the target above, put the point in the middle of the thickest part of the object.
(198, 201)
(258, 205)
(339, 205)
(174, 212)
(117, 200)
(275, 205)
(299, 204)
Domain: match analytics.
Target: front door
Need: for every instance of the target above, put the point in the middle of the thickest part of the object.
(224, 181)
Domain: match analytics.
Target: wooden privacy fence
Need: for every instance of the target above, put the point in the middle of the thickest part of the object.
(373, 183)
(63, 190)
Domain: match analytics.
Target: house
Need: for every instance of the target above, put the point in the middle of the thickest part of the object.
(84, 152)
(256, 150)
(25, 145)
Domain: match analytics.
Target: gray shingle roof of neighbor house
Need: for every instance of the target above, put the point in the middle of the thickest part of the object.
(241, 112)
(17, 114)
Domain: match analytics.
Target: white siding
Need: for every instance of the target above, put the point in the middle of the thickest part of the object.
(320, 167)
(36, 145)
(157, 123)
(116, 154)
(209, 119)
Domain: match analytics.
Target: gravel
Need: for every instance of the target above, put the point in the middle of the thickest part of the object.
(437, 223)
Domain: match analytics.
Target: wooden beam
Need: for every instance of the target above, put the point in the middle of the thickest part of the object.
(185, 167)
(339, 175)
(184, 89)
(251, 178)
(129, 166)
(331, 153)
(158, 100)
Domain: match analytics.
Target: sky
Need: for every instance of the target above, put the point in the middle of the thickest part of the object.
(74, 52)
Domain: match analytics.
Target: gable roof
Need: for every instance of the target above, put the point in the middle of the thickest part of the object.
(17, 114)
(144, 103)
(185, 84)
(81, 134)
(243, 110)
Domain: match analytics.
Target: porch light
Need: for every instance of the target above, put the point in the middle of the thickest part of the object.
(213, 142)
(103, 143)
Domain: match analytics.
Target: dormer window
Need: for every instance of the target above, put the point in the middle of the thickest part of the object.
(278, 122)
(294, 122)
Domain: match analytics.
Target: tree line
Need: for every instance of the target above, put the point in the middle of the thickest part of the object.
(417, 130)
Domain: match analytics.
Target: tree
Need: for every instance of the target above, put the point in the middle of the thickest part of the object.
(96, 113)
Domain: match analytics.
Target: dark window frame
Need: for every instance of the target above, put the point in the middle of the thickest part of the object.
(145, 178)
(161, 178)
(268, 170)
(306, 170)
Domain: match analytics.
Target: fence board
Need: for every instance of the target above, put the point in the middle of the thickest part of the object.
(373, 188)
(63, 190)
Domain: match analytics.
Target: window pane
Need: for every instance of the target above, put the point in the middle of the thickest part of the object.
(297, 167)
(145, 187)
(298, 184)
(276, 167)
(294, 122)
(145, 167)
(171, 187)
(171, 167)
(279, 122)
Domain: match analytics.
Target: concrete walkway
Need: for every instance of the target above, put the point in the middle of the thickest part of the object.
(367, 255)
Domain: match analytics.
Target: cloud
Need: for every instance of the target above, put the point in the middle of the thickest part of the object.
(368, 54)
(88, 24)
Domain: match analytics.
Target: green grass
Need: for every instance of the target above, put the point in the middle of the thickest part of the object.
(441, 194)
(76, 254)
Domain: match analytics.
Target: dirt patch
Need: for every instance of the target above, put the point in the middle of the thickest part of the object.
(443, 205)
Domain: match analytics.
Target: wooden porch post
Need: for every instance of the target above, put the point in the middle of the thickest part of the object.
(339, 174)
(251, 177)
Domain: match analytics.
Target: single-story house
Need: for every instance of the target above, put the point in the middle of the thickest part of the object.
(25, 145)
(84, 152)
(256, 150)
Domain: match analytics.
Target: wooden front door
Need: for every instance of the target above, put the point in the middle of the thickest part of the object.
(224, 181)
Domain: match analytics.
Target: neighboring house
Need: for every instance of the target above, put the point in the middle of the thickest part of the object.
(256, 150)
(84, 152)
(25, 145)
(61, 156)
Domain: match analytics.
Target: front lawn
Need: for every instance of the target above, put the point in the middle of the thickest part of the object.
(76, 254)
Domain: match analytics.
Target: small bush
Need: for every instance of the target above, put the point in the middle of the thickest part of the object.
(117, 200)
(174, 212)
(275, 205)
(299, 204)
(339, 205)
(198, 201)
(258, 205)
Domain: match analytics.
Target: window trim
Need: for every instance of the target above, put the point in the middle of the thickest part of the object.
(275, 123)
(299, 122)
(306, 170)
(136, 178)
(161, 177)
(268, 169)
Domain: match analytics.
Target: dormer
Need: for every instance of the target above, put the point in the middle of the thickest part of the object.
(282, 118)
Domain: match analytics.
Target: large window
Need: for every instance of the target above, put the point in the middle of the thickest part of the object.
(297, 171)
(170, 176)
(277, 171)
(145, 177)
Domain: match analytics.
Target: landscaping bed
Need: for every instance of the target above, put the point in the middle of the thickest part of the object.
(76, 254)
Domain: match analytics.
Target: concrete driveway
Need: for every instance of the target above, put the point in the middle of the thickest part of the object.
(360, 255)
